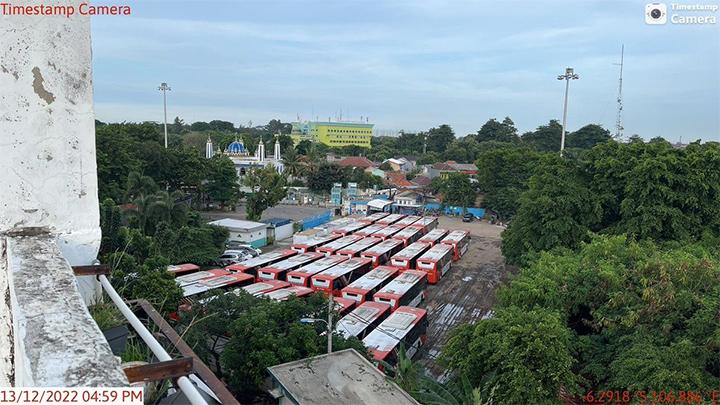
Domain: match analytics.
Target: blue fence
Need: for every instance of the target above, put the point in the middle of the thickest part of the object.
(450, 210)
(312, 222)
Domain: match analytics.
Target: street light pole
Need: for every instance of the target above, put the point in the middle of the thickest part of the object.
(329, 323)
(165, 88)
(569, 75)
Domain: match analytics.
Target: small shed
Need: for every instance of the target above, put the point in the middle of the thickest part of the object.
(279, 228)
(249, 232)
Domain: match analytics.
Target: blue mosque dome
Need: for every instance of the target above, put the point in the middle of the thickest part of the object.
(236, 147)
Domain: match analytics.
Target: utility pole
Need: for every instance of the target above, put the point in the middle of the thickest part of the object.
(569, 75)
(165, 88)
(329, 323)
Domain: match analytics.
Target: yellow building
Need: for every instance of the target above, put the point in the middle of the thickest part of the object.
(335, 134)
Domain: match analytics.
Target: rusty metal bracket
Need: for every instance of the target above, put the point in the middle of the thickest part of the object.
(92, 270)
(160, 371)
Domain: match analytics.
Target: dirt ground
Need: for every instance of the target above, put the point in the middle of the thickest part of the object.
(467, 292)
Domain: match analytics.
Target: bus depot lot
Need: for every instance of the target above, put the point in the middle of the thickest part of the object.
(467, 292)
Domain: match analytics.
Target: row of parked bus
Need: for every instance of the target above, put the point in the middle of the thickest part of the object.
(380, 261)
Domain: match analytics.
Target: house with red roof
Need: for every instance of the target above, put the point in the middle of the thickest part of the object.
(360, 162)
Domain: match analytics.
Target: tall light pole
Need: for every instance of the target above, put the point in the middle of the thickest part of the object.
(569, 75)
(165, 88)
(327, 323)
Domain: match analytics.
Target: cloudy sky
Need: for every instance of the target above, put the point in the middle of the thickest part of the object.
(408, 64)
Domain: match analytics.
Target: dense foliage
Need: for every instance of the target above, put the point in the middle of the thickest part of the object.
(268, 188)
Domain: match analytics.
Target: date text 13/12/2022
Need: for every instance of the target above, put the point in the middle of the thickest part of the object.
(652, 397)
(65, 10)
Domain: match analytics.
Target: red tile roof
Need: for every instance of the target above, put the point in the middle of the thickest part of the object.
(442, 166)
(397, 179)
(356, 161)
(422, 180)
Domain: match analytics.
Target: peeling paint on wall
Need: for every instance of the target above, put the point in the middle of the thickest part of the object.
(39, 88)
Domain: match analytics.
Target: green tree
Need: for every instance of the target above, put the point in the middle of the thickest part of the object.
(588, 136)
(546, 138)
(463, 150)
(268, 188)
(304, 147)
(178, 126)
(493, 130)
(200, 126)
(321, 178)
(439, 138)
(222, 185)
(293, 164)
(458, 191)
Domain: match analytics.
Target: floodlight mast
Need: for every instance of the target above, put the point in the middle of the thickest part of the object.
(165, 88)
(569, 75)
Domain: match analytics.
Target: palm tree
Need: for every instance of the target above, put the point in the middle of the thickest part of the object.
(138, 185)
(293, 164)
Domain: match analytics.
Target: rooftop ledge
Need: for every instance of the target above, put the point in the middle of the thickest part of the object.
(47, 336)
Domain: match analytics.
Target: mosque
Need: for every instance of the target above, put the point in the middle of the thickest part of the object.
(242, 159)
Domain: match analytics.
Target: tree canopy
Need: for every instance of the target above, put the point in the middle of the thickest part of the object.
(268, 188)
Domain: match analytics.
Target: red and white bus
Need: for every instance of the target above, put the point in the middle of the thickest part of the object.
(370, 219)
(284, 294)
(193, 278)
(369, 230)
(459, 240)
(406, 259)
(436, 261)
(387, 232)
(343, 305)
(427, 223)
(433, 237)
(334, 279)
(390, 219)
(180, 269)
(362, 289)
(331, 248)
(302, 275)
(409, 235)
(381, 253)
(406, 289)
(266, 286)
(349, 228)
(358, 247)
(362, 320)
(279, 270)
(311, 243)
(407, 221)
(406, 326)
(251, 266)
(224, 281)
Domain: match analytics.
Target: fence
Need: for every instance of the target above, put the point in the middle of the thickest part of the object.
(316, 220)
(451, 210)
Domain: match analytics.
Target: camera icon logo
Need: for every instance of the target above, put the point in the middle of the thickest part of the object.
(655, 13)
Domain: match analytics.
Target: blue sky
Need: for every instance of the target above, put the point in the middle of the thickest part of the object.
(408, 64)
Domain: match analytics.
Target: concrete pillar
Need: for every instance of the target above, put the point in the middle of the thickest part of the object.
(47, 133)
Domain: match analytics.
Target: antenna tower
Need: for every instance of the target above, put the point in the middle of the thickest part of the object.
(618, 121)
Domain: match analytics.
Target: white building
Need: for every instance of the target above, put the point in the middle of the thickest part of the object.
(242, 159)
(248, 232)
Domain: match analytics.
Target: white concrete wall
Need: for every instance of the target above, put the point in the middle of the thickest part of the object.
(284, 231)
(47, 135)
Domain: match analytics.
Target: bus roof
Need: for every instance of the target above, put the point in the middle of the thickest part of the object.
(370, 229)
(373, 278)
(433, 235)
(411, 251)
(265, 286)
(359, 246)
(375, 217)
(407, 233)
(382, 247)
(200, 275)
(341, 243)
(455, 236)
(285, 293)
(344, 267)
(262, 260)
(360, 318)
(343, 304)
(293, 261)
(402, 283)
(316, 240)
(410, 219)
(394, 329)
(320, 265)
(215, 282)
(424, 221)
(436, 252)
(182, 268)
(390, 219)
(349, 228)
(389, 230)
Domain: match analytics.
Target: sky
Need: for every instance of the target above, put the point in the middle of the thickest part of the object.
(409, 64)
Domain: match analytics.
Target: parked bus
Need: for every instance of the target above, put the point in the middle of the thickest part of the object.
(343, 305)
(371, 219)
(180, 269)
(406, 289)
(426, 223)
(408, 235)
(251, 266)
(390, 219)
(406, 326)
(407, 221)
(362, 289)
(369, 230)
(224, 281)
(349, 228)
(265, 286)
(434, 236)
(362, 320)
(406, 259)
(334, 279)
(331, 248)
(284, 294)
(193, 278)
(381, 253)
(302, 275)
(279, 270)
(436, 262)
(459, 240)
(311, 243)
(387, 232)
(358, 247)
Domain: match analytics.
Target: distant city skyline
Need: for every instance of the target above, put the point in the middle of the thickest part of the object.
(408, 65)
